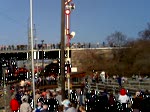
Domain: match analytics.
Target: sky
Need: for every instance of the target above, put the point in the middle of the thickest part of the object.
(92, 20)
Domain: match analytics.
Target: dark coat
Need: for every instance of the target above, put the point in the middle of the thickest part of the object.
(136, 103)
(44, 110)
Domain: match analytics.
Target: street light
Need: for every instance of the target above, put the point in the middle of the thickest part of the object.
(32, 53)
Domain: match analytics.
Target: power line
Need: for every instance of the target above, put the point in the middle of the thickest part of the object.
(11, 19)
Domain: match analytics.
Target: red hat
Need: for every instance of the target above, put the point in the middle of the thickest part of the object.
(123, 91)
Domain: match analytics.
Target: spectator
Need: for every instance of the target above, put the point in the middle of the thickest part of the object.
(123, 98)
(119, 79)
(45, 108)
(43, 99)
(25, 96)
(37, 96)
(59, 97)
(14, 104)
(112, 102)
(140, 78)
(25, 106)
(82, 109)
(39, 107)
(66, 105)
(146, 93)
(133, 77)
(18, 96)
(53, 103)
(72, 108)
(136, 102)
(145, 103)
(102, 76)
(81, 98)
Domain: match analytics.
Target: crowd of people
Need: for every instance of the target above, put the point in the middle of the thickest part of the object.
(52, 46)
(80, 100)
(45, 100)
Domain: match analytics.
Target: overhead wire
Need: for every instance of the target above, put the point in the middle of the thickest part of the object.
(11, 19)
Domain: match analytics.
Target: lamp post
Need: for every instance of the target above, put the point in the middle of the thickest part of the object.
(68, 8)
(32, 53)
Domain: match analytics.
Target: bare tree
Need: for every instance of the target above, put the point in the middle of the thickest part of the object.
(145, 34)
(117, 39)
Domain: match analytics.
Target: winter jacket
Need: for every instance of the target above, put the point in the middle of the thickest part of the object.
(14, 105)
(25, 107)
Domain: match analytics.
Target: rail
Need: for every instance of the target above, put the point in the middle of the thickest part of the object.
(132, 86)
(52, 46)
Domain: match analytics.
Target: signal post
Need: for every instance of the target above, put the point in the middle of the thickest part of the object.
(69, 6)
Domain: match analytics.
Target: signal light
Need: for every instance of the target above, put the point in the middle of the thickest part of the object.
(72, 6)
(67, 11)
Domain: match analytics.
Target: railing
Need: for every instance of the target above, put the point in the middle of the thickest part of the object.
(132, 86)
(50, 46)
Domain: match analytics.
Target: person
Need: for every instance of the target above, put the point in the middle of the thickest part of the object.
(45, 108)
(59, 97)
(43, 99)
(25, 106)
(65, 104)
(112, 102)
(38, 108)
(82, 109)
(37, 96)
(52, 103)
(18, 96)
(123, 99)
(119, 79)
(102, 75)
(14, 104)
(72, 107)
(81, 98)
(104, 99)
(136, 106)
(25, 96)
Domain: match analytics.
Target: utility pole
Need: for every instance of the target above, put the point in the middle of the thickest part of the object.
(62, 55)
